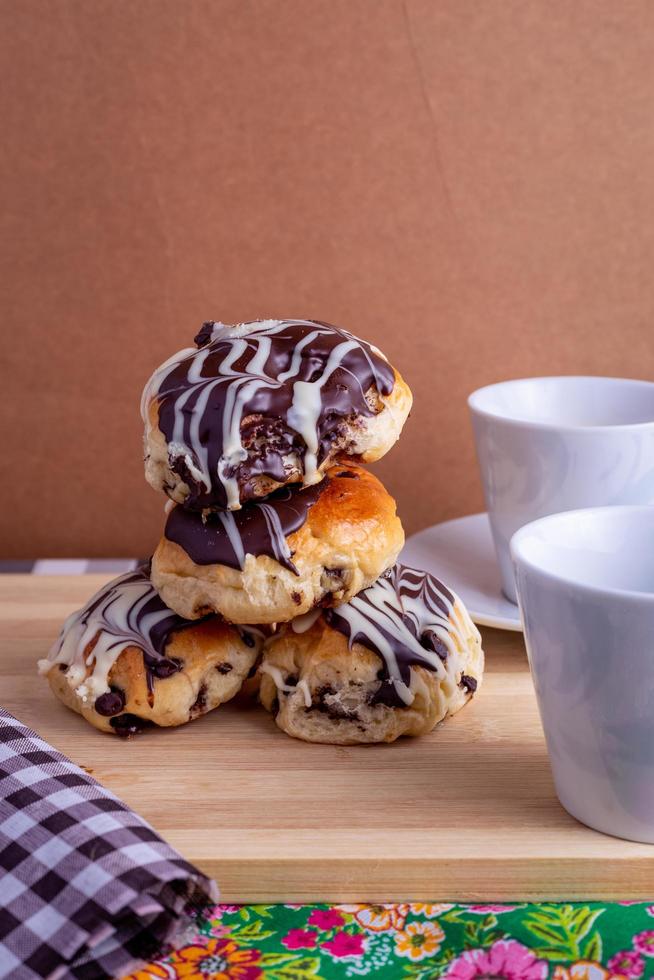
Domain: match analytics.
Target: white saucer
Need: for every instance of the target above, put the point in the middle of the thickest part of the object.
(461, 554)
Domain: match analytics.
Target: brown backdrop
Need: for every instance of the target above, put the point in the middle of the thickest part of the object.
(469, 184)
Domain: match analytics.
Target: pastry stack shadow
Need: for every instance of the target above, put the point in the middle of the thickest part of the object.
(278, 560)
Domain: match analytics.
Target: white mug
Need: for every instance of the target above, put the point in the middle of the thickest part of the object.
(547, 445)
(585, 582)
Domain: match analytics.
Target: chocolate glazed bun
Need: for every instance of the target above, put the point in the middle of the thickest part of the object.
(276, 559)
(266, 404)
(125, 661)
(396, 660)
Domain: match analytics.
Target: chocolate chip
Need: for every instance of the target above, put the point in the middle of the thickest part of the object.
(200, 703)
(111, 703)
(179, 466)
(203, 336)
(224, 668)
(347, 475)
(162, 667)
(127, 724)
(429, 641)
(386, 694)
(247, 638)
(468, 683)
(63, 668)
(334, 711)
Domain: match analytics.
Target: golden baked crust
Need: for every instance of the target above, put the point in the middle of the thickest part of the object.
(351, 536)
(215, 661)
(365, 439)
(331, 688)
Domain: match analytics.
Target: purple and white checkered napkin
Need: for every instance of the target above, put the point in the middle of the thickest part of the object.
(87, 888)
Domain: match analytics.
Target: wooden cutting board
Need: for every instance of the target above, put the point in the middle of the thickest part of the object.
(467, 813)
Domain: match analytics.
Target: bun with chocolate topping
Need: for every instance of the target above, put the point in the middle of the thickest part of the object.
(256, 435)
(396, 660)
(263, 405)
(125, 662)
(279, 558)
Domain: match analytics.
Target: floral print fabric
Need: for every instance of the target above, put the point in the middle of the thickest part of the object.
(418, 941)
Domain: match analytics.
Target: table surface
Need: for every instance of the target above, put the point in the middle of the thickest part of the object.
(467, 813)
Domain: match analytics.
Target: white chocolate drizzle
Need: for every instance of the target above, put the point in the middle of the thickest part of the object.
(304, 374)
(409, 619)
(125, 612)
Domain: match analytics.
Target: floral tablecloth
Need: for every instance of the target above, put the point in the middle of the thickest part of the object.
(580, 941)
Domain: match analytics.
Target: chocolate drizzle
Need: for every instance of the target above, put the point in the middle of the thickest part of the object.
(261, 528)
(409, 619)
(254, 395)
(125, 612)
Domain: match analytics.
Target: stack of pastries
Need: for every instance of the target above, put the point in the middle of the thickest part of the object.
(278, 559)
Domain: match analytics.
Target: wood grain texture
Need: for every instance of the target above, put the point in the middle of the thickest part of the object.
(468, 185)
(466, 813)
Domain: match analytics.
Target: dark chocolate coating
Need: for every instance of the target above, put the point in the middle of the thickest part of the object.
(266, 430)
(129, 612)
(126, 612)
(403, 607)
(261, 527)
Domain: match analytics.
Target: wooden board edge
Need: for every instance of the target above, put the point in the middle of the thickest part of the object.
(334, 881)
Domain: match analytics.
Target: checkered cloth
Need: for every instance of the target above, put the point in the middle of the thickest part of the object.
(87, 888)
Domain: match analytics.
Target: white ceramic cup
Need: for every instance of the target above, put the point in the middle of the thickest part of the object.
(547, 445)
(585, 582)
